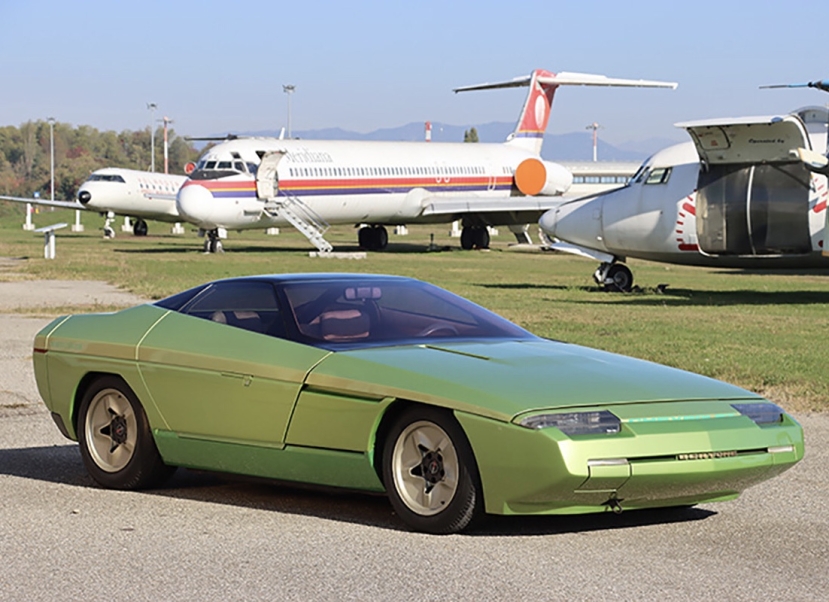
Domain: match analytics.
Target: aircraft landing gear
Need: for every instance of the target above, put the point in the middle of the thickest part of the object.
(139, 228)
(109, 231)
(614, 277)
(474, 237)
(373, 238)
(212, 242)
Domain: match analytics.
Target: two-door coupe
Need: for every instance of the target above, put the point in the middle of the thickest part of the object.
(383, 383)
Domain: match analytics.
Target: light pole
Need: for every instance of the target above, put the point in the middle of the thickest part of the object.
(51, 121)
(595, 127)
(289, 89)
(167, 121)
(152, 107)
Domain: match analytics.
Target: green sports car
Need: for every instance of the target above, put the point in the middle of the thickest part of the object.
(382, 383)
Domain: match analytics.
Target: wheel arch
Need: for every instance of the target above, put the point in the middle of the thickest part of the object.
(83, 386)
(392, 412)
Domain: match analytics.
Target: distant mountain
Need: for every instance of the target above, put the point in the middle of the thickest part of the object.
(575, 146)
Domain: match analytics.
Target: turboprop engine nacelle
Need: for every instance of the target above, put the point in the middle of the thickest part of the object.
(536, 177)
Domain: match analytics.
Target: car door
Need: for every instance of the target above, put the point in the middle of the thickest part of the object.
(220, 370)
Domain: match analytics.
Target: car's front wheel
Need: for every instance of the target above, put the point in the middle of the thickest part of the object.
(429, 472)
(115, 440)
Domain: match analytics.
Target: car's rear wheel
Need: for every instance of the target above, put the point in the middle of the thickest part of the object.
(429, 472)
(115, 440)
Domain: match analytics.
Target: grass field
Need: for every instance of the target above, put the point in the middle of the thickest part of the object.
(764, 331)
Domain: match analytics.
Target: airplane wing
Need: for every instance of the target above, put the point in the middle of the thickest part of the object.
(769, 139)
(44, 202)
(438, 204)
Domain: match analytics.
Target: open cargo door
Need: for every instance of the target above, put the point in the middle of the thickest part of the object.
(752, 191)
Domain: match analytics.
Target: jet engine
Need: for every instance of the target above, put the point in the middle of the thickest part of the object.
(537, 177)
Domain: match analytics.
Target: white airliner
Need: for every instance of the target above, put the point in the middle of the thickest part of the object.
(740, 195)
(261, 182)
(112, 191)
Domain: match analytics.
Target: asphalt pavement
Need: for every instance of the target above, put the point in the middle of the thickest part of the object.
(210, 537)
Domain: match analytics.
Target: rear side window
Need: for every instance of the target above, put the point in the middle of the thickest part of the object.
(248, 305)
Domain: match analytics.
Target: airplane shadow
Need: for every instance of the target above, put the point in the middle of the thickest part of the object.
(526, 285)
(392, 249)
(62, 465)
(690, 297)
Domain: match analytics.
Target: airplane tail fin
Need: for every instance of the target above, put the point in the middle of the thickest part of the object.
(535, 115)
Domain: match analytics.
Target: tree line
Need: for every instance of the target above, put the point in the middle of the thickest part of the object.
(25, 156)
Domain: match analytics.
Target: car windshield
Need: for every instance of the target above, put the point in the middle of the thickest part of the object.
(349, 313)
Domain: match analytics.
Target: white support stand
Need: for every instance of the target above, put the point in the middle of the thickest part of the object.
(401, 230)
(177, 228)
(272, 231)
(49, 239)
(127, 226)
(77, 226)
(29, 225)
(455, 232)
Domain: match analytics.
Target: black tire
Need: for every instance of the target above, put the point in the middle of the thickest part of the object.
(116, 444)
(140, 228)
(622, 278)
(381, 238)
(482, 238)
(467, 238)
(419, 478)
(363, 236)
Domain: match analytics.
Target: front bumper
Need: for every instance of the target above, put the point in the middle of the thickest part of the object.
(646, 465)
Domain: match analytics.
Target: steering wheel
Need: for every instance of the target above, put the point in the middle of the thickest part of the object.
(438, 327)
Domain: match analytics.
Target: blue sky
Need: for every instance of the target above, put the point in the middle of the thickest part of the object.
(219, 66)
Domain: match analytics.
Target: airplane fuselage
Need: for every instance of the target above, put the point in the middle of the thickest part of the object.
(132, 193)
(678, 209)
(355, 181)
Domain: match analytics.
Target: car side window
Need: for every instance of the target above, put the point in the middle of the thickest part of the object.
(249, 305)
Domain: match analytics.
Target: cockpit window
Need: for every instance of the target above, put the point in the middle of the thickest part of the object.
(659, 175)
(640, 173)
(213, 170)
(102, 177)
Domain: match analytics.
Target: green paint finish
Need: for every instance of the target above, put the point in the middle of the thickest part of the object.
(105, 335)
(334, 421)
(544, 471)
(216, 381)
(305, 465)
(517, 377)
(66, 372)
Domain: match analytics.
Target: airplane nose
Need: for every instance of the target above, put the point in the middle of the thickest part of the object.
(84, 196)
(195, 204)
(548, 222)
(577, 222)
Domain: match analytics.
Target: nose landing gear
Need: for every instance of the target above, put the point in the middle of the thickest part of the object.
(614, 277)
(212, 242)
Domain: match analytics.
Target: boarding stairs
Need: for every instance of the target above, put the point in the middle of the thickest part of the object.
(301, 217)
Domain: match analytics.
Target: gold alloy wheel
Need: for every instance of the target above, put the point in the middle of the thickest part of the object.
(111, 430)
(425, 468)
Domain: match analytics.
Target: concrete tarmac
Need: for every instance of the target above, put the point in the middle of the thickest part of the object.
(209, 537)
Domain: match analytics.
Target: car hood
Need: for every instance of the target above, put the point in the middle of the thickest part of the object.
(503, 379)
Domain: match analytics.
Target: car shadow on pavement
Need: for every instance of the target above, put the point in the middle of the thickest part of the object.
(61, 464)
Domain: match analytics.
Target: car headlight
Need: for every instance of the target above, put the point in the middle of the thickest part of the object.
(576, 423)
(760, 413)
